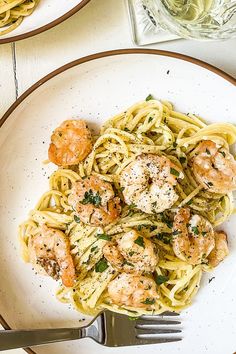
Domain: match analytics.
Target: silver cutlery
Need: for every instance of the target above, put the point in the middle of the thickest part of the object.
(108, 328)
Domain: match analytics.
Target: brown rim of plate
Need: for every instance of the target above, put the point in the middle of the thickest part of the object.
(88, 58)
(45, 27)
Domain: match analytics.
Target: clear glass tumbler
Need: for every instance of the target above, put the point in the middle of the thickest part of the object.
(197, 19)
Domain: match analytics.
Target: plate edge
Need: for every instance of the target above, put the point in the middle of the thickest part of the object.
(115, 52)
(45, 27)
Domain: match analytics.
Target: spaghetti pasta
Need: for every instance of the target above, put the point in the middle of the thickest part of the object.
(12, 13)
(146, 127)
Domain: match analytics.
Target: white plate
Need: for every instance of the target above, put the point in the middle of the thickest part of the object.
(96, 88)
(48, 13)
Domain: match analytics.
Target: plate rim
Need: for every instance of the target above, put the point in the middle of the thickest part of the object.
(100, 55)
(110, 53)
(45, 27)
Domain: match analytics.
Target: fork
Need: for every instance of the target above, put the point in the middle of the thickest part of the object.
(108, 328)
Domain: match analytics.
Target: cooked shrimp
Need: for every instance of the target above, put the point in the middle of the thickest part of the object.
(71, 142)
(214, 167)
(50, 249)
(94, 201)
(133, 290)
(193, 237)
(221, 249)
(113, 256)
(149, 182)
(132, 254)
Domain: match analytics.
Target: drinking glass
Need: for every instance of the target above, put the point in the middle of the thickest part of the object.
(197, 19)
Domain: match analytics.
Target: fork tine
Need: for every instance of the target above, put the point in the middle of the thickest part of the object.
(169, 313)
(155, 340)
(166, 313)
(146, 331)
(156, 321)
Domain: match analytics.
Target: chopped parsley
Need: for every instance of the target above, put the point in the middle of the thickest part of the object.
(150, 119)
(174, 144)
(77, 219)
(149, 97)
(128, 263)
(101, 265)
(189, 202)
(90, 198)
(131, 253)
(139, 241)
(204, 233)
(122, 189)
(164, 237)
(175, 232)
(182, 159)
(132, 206)
(154, 204)
(210, 280)
(208, 152)
(222, 153)
(103, 237)
(195, 230)
(166, 221)
(126, 130)
(139, 227)
(174, 172)
(94, 248)
(160, 279)
(149, 301)
(210, 184)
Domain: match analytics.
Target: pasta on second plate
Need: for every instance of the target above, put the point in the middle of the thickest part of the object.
(128, 221)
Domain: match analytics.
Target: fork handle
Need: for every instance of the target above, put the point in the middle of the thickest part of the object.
(12, 339)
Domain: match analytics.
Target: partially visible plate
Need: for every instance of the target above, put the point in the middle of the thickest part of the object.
(48, 14)
(95, 88)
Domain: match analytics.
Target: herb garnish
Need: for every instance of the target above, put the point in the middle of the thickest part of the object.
(182, 159)
(94, 248)
(164, 237)
(101, 265)
(77, 218)
(210, 280)
(128, 263)
(149, 97)
(103, 237)
(208, 152)
(139, 241)
(149, 301)
(222, 153)
(90, 198)
(174, 172)
(166, 221)
(195, 230)
(132, 206)
(150, 119)
(160, 279)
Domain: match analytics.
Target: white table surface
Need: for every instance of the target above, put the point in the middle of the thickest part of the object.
(101, 25)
